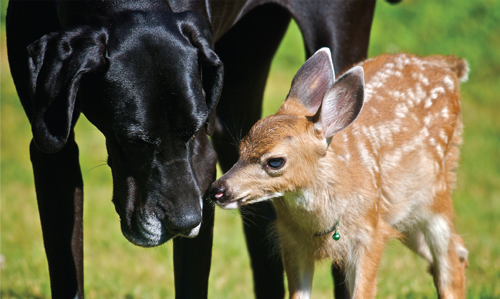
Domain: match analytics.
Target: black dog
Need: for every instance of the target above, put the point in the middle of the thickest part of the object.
(148, 75)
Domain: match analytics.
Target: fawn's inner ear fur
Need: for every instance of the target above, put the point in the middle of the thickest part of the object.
(335, 104)
(342, 103)
(313, 80)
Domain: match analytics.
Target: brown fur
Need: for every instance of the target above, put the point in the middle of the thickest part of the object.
(389, 174)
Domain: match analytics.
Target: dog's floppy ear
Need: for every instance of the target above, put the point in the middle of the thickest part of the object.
(312, 80)
(212, 68)
(213, 78)
(57, 62)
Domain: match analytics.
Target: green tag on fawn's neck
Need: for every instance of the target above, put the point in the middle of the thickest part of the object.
(336, 235)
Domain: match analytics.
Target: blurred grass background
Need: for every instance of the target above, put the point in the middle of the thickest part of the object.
(115, 268)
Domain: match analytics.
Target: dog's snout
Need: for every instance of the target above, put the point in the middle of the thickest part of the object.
(185, 224)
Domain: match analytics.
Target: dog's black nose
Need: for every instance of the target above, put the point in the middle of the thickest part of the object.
(218, 193)
(185, 224)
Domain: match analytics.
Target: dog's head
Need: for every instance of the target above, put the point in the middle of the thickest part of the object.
(150, 83)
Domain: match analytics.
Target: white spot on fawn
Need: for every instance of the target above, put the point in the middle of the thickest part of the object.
(421, 78)
(445, 112)
(401, 110)
(442, 135)
(448, 82)
(440, 151)
(434, 93)
(427, 119)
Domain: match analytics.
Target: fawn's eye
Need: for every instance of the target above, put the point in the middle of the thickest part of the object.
(275, 163)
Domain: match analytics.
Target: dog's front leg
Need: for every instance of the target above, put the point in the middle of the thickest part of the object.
(59, 190)
(299, 270)
(192, 259)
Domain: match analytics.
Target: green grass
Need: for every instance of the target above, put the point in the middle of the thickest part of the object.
(115, 268)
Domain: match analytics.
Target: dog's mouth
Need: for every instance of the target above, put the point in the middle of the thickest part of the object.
(148, 221)
(147, 232)
(151, 232)
(192, 233)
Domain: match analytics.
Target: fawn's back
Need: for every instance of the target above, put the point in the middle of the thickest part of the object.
(406, 137)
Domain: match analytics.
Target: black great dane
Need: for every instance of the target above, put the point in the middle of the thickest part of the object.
(149, 75)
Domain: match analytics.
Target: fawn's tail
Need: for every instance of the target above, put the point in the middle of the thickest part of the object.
(459, 66)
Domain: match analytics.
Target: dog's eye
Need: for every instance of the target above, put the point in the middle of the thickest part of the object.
(275, 163)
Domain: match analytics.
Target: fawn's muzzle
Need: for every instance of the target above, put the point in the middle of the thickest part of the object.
(219, 193)
(223, 197)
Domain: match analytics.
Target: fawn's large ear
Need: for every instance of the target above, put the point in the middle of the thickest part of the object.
(57, 62)
(341, 104)
(313, 80)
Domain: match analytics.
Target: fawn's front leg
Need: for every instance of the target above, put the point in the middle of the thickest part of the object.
(299, 270)
(362, 272)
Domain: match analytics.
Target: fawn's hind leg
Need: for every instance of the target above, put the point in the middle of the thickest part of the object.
(449, 254)
(414, 239)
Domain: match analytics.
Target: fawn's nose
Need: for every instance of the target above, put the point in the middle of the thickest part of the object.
(218, 193)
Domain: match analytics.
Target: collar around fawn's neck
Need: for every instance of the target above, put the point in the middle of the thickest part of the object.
(334, 229)
(326, 232)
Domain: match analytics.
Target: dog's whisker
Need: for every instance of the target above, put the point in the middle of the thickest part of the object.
(234, 141)
(100, 165)
(247, 222)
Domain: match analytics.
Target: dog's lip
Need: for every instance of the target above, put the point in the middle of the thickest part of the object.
(192, 233)
(143, 241)
(141, 235)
